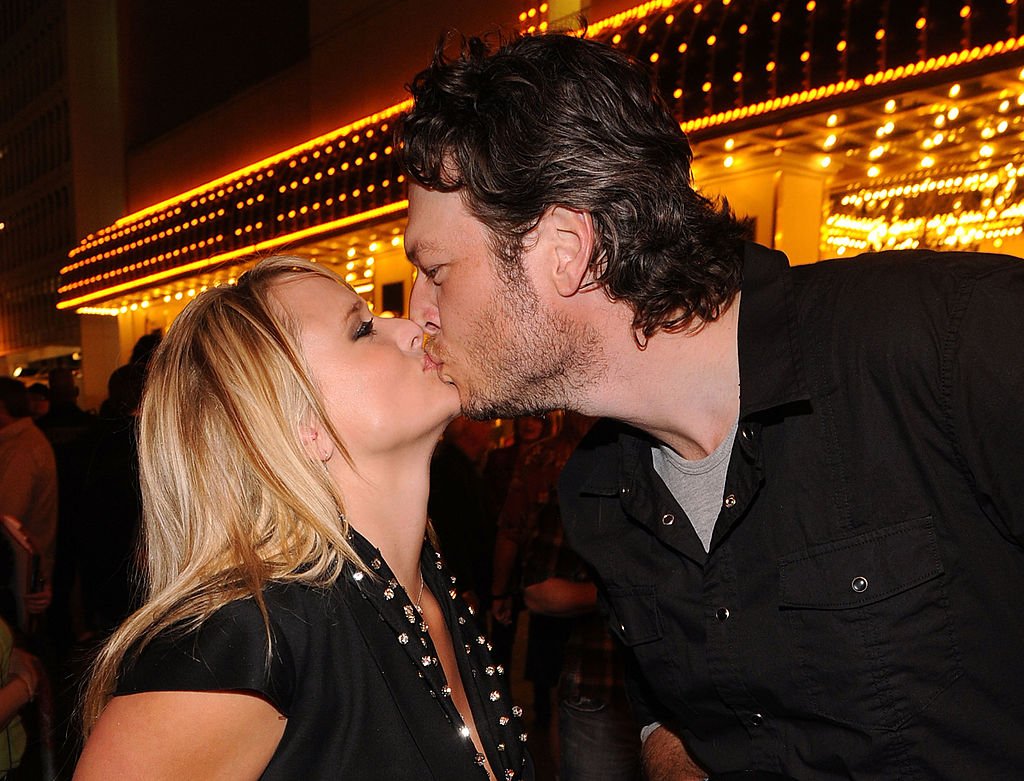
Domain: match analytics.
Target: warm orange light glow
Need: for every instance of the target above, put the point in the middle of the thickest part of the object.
(852, 85)
(232, 177)
(638, 12)
(252, 249)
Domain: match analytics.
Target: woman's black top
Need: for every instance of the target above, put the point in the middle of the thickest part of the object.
(356, 674)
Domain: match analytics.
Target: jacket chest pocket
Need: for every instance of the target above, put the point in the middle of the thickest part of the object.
(870, 624)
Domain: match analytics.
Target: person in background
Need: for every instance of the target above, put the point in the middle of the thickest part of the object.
(598, 738)
(501, 462)
(110, 508)
(806, 503)
(498, 473)
(532, 486)
(20, 673)
(28, 485)
(38, 400)
(462, 514)
(297, 622)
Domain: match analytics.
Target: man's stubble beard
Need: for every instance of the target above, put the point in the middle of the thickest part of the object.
(527, 360)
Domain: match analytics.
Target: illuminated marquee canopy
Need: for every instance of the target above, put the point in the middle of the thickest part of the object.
(726, 67)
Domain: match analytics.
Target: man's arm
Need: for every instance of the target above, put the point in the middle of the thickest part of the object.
(986, 378)
(561, 598)
(664, 758)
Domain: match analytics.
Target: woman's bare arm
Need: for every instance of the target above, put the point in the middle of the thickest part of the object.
(175, 735)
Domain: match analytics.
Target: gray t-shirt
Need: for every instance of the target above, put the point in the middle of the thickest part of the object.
(698, 486)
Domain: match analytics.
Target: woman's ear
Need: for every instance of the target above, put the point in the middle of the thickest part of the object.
(316, 442)
(572, 234)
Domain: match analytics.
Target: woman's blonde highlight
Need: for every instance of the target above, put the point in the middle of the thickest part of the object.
(232, 499)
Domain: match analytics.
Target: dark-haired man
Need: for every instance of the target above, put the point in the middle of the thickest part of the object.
(807, 507)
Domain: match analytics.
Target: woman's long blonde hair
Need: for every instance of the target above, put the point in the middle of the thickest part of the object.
(231, 498)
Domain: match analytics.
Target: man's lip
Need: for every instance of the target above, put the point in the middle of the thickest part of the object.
(429, 364)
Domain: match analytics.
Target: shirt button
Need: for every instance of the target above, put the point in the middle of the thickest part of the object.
(722, 614)
(747, 433)
(668, 519)
(859, 584)
(624, 490)
(756, 720)
(730, 500)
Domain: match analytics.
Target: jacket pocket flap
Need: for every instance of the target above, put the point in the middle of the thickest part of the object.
(633, 614)
(861, 570)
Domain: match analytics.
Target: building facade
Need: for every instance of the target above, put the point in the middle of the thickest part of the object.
(839, 126)
(37, 226)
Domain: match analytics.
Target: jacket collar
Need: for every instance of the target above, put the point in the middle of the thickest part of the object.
(772, 370)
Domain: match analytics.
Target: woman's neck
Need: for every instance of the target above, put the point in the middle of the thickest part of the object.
(386, 502)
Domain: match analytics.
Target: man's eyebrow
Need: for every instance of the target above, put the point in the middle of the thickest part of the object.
(414, 250)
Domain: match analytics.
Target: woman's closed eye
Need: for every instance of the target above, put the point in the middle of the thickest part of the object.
(365, 329)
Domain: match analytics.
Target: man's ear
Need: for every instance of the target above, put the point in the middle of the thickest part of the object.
(572, 234)
(316, 442)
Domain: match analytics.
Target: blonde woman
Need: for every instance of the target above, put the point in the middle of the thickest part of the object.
(297, 625)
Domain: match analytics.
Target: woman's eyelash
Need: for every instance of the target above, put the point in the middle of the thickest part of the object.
(365, 329)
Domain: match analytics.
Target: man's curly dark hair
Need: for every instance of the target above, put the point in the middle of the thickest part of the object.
(558, 120)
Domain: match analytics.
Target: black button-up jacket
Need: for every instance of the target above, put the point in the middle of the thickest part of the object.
(860, 613)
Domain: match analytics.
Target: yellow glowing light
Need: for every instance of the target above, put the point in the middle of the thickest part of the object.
(953, 113)
(830, 141)
(879, 34)
(678, 93)
(954, 90)
(743, 29)
(706, 86)
(776, 17)
(728, 161)
(770, 66)
(682, 47)
(638, 12)
(873, 171)
(927, 161)
(876, 152)
(654, 57)
(737, 77)
(805, 56)
(260, 165)
(986, 150)
(277, 241)
(811, 5)
(890, 106)
(841, 46)
(833, 120)
(711, 40)
(729, 144)
(921, 23)
(1002, 126)
(965, 11)
(826, 161)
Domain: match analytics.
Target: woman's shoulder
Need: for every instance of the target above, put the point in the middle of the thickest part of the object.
(237, 648)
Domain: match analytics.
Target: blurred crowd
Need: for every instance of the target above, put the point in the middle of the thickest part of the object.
(69, 488)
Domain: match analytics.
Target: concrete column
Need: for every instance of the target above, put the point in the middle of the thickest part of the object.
(784, 193)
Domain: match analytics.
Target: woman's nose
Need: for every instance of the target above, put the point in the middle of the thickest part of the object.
(408, 335)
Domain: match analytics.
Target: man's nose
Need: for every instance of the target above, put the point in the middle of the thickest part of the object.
(423, 305)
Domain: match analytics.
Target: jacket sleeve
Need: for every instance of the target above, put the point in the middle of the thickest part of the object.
(985, 387)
